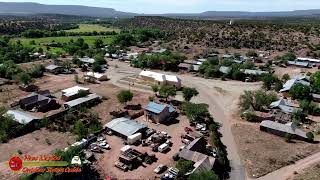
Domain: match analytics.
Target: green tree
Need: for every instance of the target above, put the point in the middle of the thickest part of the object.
(285, 77)
(196, 112)
(259, 100)
(184, 167)
(188, 93)
(252, 54)
(23, 78)
(268, 80)
(310, 136)
(96, 67)
(204, 175)
(80, 129)
(155, 88)
(300, 91)
(167, 91)
(124, 96)
(98, 43)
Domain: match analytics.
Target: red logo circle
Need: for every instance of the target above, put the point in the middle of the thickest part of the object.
(15, 163)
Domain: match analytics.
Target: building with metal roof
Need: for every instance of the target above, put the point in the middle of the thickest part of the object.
(41, 101)
(283, 129)
(290, 83)
(254, 72)
(21, 117)
(97, 76)
(71, 93)
(158, 112)
(82, 101)
(125, 127)
(224, 69)
(161, 78)
(284, 106)
(87, 60)
(304, 64)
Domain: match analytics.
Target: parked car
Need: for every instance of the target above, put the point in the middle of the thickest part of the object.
(149, 132)
(188, 130)
(171, 174)
(163, 147)
(101, 138)
(121, 166)
(185, 141)
(169, 142)
(160, 168)
(176, 157)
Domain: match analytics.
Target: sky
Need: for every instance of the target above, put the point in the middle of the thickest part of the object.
(188, 6)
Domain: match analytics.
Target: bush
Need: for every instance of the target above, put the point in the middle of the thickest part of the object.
(184, 167)
(203, 175)
(249, 116)
(310, 136)
(259, 100)
(300, 91)
(124, 96)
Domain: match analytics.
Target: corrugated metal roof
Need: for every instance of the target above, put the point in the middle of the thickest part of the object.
(287, 86)
(87, 60)
(80, 101)
(289, 128)
(158, 108)
(254, 72)
(73, 90)
(298, 63)
(125, 126)
(52, 67)
(225, 69)
(21, 117)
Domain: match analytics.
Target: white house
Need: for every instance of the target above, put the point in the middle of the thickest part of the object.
(97, 76)
(71, 93)
(161, 78)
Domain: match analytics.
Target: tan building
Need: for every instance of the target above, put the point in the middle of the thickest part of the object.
(161, 79)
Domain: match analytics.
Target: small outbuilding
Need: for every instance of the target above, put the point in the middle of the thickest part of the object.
(72, 93)
(52, 68)
(21, 117)
(87, 100)
(97, 76)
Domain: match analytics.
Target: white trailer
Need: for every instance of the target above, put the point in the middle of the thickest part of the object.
(163, 147)
(134, 138)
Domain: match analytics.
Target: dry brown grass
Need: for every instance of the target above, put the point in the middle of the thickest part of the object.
(263, 153)
(312, 173)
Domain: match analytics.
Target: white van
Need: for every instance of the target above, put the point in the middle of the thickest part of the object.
(163, 147)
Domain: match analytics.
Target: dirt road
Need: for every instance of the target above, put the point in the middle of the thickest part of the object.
(221, 96)
(288, 171)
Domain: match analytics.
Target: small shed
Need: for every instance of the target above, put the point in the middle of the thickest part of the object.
(158, 112)
(97, 76)
(21, 117)
(54, 69)
(71, 93)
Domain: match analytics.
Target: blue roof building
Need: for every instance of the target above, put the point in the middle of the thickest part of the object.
(158, 112)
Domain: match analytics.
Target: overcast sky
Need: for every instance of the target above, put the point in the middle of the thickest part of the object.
(189, 6)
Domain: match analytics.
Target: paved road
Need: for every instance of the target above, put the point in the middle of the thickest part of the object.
(205, 87)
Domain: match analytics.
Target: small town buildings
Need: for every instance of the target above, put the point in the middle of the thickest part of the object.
(288, 85)
(283, 129)
(21, 117)
(97, 76)
(125, 127)
(316, 97)
(201, 161)
(87, 60)
(161, 79)
(158, 112)
(224, 69)
(283, 105)
(72, 93)
(54, 69)
(40, 101)
(304, 64)
(309, 60)
(193, 62)
(254, 72)
(91, 98)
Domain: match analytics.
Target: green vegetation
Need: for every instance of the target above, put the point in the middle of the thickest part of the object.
(310, 107)
(23, 78)
(55, 44)
(258, 100)
(124, 96)
(203, 175)
(155, 88)
(184, 167)
(315, 79)
(166, 91)
(310, 136)
(188, 93)
(80, 129)
(165, 61)
(196, 112)
(300, 91)
(92, 28)
(6, 126)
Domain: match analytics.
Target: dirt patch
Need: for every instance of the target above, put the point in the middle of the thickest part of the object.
(263, 153)
(312, 173)
(106, 161)
(40, 142)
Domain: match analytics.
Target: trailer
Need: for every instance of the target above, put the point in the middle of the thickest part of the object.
(134, 138)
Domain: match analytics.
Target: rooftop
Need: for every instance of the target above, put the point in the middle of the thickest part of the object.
(21, 117)
(299, 79)
(125, 126)
(289, 128)
(87, 60)
(82, 100)
(225, 69)
(160, 77)
(73, 90)
(158, 108)
(52, 67)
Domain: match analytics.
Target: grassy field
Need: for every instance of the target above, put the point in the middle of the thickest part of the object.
(92, 27)
(40, 41)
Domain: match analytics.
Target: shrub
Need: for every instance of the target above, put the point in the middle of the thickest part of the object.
(310, 136)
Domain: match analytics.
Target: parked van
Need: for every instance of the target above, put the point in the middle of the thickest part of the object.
(163, 147)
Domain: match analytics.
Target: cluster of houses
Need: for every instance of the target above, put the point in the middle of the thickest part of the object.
(278, 120)
(44, 101)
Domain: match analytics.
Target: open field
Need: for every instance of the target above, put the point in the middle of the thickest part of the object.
(263, 153)
(35, 143)
(92, 27)
(41, 41)
(312, 173)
